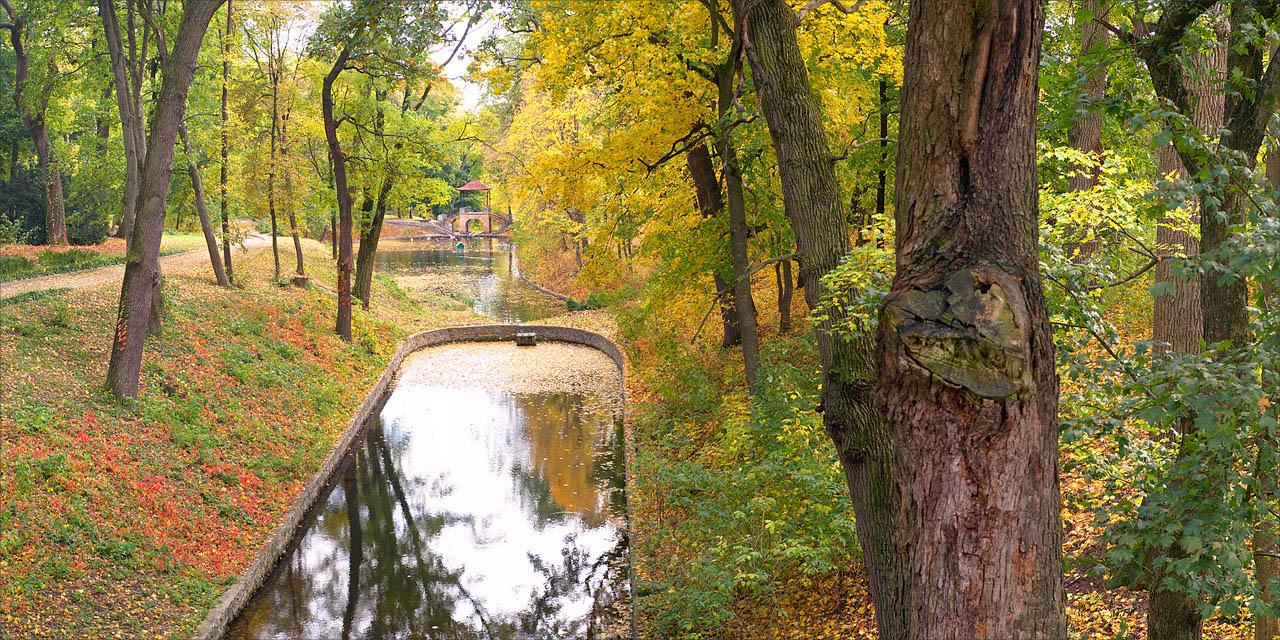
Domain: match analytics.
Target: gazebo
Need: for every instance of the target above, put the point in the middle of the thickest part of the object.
(476, 185)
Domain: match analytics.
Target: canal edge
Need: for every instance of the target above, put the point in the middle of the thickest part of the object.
(234, 599)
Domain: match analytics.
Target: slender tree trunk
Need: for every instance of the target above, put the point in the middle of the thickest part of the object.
(1086, 130)
(202, 207)
(369, 243)
(738, 249)
(225, 131)
(782, 273)
(333, 235)
(1177, 319)
(703, 172)
(33, 118)
(128, 114)
(812, 200)
(271, 176)
(967, 380)
(343, 324)
(288, 188)
(142, 268)
(55, 216)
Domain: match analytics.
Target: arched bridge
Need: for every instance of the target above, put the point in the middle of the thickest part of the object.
(458, 220)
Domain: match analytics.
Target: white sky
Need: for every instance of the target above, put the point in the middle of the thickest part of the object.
(456, 71)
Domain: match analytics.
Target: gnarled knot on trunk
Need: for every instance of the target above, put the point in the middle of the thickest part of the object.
(973, 333)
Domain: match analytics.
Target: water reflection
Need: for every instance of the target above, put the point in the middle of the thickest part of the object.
(466, 513)
(486, 268)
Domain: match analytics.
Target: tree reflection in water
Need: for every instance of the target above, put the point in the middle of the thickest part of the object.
(463, 514)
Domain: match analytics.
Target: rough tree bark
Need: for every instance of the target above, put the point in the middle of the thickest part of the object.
(812, 200)
(967, 381)
(142, 268)
(202, 207)
(710, 202)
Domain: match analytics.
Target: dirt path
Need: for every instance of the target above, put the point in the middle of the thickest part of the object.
(177, 263)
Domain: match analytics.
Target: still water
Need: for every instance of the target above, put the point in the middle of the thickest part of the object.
(466, 513)
(485, 268)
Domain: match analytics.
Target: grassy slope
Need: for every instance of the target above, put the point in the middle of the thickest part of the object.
(129, 522)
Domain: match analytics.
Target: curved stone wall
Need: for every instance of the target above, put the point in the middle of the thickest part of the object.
(236, 596)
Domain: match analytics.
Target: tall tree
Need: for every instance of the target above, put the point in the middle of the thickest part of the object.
(225, 131)
(1252, 88)
(399, 55)
(1086, 128)
(339, 161)
(967, 379)
(812, 202)
(702, 170)
(202, 209)
(142, 267)
(33, 112)
(127, 75)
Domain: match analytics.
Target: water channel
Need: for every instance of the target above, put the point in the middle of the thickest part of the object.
(487, 501)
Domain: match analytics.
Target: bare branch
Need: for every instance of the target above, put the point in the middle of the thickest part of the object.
(814, 4)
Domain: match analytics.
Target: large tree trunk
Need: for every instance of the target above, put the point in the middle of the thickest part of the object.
(812, 201)
(202, 207)
(967, 381)
(339, 160)
(707, 188)
(142, 269)
(1086, 130)
(222, 181)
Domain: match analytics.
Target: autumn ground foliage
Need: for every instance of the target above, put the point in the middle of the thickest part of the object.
(129, 522)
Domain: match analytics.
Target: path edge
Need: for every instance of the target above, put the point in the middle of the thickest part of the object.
(234, 599)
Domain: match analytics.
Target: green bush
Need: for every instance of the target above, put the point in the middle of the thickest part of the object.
(759, 493)
(84, 227)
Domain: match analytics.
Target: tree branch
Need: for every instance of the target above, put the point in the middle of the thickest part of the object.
(814, 4)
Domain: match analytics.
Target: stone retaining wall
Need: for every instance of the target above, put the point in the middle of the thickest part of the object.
(238, 595)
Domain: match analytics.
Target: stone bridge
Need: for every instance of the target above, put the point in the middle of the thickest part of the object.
(492, 222)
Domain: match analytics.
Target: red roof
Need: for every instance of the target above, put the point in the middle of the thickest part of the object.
(474, 185)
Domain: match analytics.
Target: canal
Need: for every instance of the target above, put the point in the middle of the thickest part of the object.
(486, 501)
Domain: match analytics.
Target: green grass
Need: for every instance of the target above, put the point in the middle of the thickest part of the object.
(129, 520)
(49, 262)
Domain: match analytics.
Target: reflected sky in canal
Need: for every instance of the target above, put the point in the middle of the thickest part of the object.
(466, 513)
